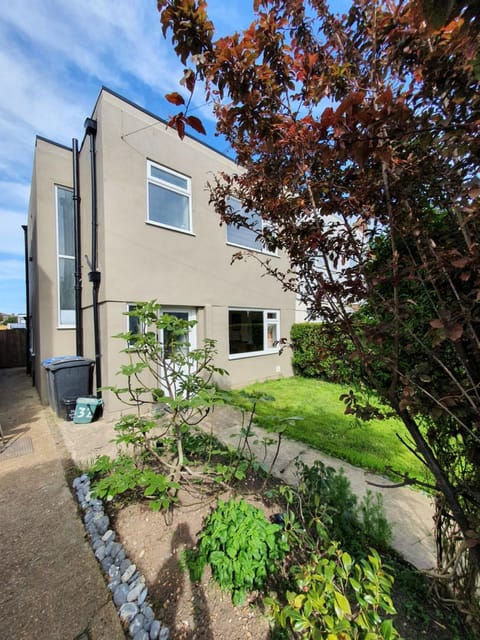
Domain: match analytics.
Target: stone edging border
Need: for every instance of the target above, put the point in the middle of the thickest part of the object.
(128, 587)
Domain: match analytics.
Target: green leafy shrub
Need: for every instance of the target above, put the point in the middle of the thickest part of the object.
(324, 497)
(316, 353)
(241, 546)
(112, 478)
(335, 598)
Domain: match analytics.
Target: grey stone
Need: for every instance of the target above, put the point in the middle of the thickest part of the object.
(100, 553)
(135, 592)
(116, 547)
(108, 536)
(113, 585)
(120, 557)
(147, 612)
(97, 504)
(134, 578)
(84, 478)
(114, 572)
(136, 624)
(164, 633)
(89, 515)
(141, 635)
(147, 624)
(120, 595)
(142, 596)
(76, 482)
(155, 630)
(108, 549)
(97, 543)
(127, 612)
(124, 564)
(128, 573)
(101, 524)
(106, 563)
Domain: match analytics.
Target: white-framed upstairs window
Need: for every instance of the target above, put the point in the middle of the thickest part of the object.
(246, 236)
(65, 257)
(253, 332)
(169, 198)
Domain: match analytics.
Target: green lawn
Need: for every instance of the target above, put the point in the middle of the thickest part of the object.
(371, 445)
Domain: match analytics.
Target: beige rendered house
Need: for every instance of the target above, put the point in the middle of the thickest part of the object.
(137, 194)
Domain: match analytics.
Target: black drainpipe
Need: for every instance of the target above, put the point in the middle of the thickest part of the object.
(94, 275)
(28, 360)
(78, 250)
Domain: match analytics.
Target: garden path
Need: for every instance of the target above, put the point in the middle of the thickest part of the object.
(409, 512)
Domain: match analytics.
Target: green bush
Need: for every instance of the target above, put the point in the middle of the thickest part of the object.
(241, 546)
(111, 478)
(325, 497)
(334, 597)
(323, 351)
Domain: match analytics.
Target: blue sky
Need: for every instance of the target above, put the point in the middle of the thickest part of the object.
(54, 57)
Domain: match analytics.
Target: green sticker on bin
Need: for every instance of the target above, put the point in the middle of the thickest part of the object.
(86, 409)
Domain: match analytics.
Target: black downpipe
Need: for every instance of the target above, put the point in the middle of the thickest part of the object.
(94, 276)
(28, 359)
(78, 251)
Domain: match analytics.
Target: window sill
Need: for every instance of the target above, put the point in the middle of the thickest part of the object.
(253, 354)
(166, 226)
(264, 253)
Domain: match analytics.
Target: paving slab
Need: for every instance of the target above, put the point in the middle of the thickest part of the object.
(52, 587)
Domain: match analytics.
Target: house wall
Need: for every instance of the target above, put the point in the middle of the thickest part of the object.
(52, 166)
(139, 261)
(177, 269)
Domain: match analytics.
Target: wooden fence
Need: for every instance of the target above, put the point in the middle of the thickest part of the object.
(13, 348)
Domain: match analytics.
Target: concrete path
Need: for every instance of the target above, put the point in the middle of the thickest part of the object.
(51, 585)
(409, 512)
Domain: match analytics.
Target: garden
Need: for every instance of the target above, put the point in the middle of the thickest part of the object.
(228, 550)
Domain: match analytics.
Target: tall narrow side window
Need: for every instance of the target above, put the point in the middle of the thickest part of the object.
(169, 198)
(65, 257)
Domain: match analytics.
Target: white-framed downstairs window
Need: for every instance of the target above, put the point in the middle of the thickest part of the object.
(253, 331)
(65, 257)
(169, 198)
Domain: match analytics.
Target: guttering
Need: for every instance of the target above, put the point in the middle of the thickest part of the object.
(94, 276)
(78, 250)
(28, 360)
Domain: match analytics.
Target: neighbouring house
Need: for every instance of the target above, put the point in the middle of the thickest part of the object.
(137, 195)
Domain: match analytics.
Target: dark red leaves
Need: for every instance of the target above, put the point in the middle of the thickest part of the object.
(175, 98)
(196, 124)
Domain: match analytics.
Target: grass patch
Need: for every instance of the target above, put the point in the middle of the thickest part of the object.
(372, 445)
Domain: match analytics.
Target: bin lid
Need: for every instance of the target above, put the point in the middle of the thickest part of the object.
(65, 362)
(48, 361)
(90, 400)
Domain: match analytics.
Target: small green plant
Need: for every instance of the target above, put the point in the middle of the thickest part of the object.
(335, 598)
(241, 546)
(124, 474)
(164, 373)
(325, 496)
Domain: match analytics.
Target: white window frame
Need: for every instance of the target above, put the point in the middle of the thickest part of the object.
(272, 321)
(259, 247)
(169, 186)
(69, 313)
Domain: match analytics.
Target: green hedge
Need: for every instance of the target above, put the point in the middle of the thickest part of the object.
(323, 351)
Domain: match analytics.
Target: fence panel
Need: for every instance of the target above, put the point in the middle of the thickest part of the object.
(12, 348)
